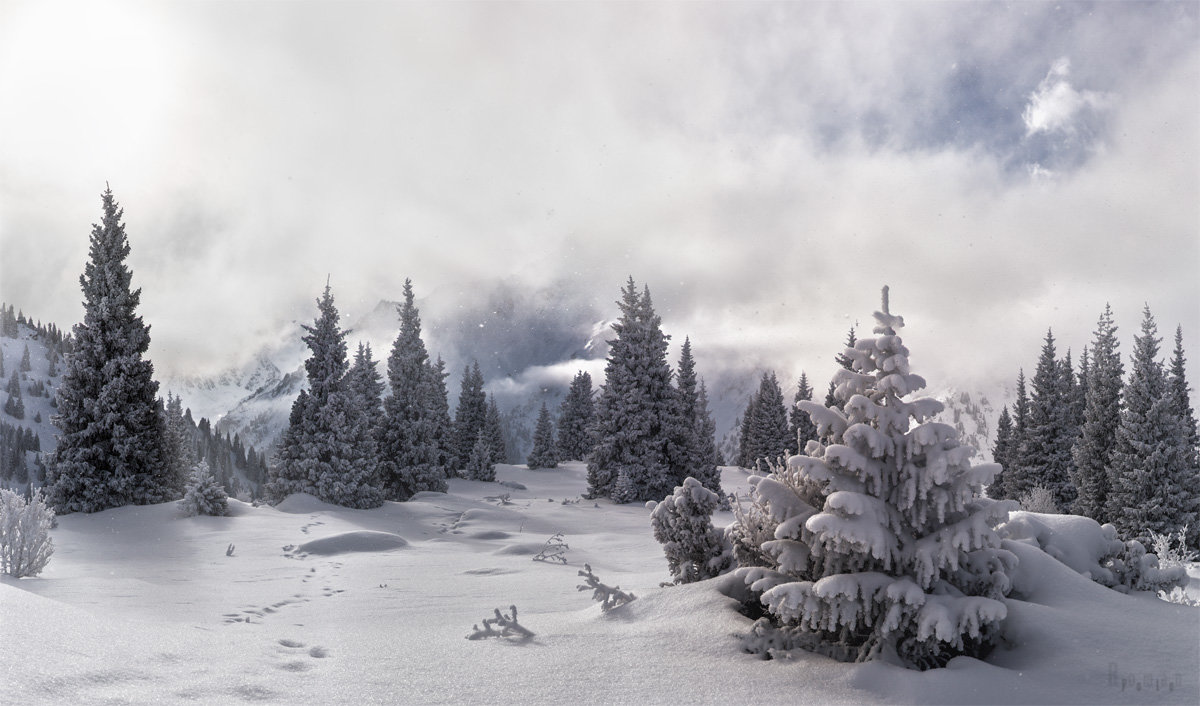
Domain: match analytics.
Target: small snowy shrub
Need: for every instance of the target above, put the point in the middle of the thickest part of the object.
(883, 547)
(683, 525)
(203, 494)
(25, 544)
(609, 597)
(555, 551)
(509, 628)
(1171, 547)
(1134, 569)
(1039, 499)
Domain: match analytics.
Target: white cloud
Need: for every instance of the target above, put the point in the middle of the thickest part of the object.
(1056, 104)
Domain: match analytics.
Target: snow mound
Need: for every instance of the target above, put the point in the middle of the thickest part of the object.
(1079, 542)
(298, 503)
(349, 542)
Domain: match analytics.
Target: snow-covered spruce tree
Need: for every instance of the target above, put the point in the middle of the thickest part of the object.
(1002, 454)
(25, 544)
(636, 413)
(409, 444)
(14, 406)
(696, 447)
(1044, 457)
(544, 454)
(203, 494)
(575, 438)
(328, 449)
(1151, 473)
(882, 545)
(765, 431)
(443, 425)
(480, 464)
(493, 433)
(682, 523)
(800, 427)
(1181, 394)
(1093, 448)
(831, 399)
(178, 445)
(26, 364)
(745, 454)
(470, 415)
(110, 450)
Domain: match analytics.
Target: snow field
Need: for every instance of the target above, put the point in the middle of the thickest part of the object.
(139, 605)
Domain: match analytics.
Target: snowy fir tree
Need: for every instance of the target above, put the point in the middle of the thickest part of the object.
(480, 463)
(766, 433)
(1152, 474)
(544, 453)
(831, 399)
(470, 415)
(328, 449)
(178, 446)
(1094, 446)
(110, 449)
(1181, 394)
(365, 382)
(1002, 453)
(493, 433)
(695, 446)
(682, 523)
(14, 406)
(575, 439)
(26, 365)
(882, 546)
(203, 495)
(409, 439)
(1044, 457)
(443, 425)
(800, 428)
(636, 414)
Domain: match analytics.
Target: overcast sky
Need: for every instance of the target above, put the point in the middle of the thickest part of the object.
(765, 168)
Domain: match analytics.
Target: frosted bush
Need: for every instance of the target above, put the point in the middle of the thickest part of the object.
(683, 525)
(25, 544)
(554, 552)
(609, 597)
(203, 495)
(1171, 547)
(1039, 499)
(509, 628)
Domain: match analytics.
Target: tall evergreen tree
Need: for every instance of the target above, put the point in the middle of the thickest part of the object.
(14, 406)
(110, 450)
(843, 360)
(329, 448)
(1181, 393)
(1045, 452)
(26, 365)
(470, 415)
(767, 435)
(1151, 473)
(410, 447)
(696, 448)
(637, 409)
(1093, 448)
(439, 403)
(543, 454)
(575, 438)
(178, 446)
(800, 427)
(493, 433)
(1002, 453)
(366, 383)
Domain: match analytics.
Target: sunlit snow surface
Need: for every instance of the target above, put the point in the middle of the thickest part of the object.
(139, 605)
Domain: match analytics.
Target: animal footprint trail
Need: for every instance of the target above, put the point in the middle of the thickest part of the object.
(296, 653)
